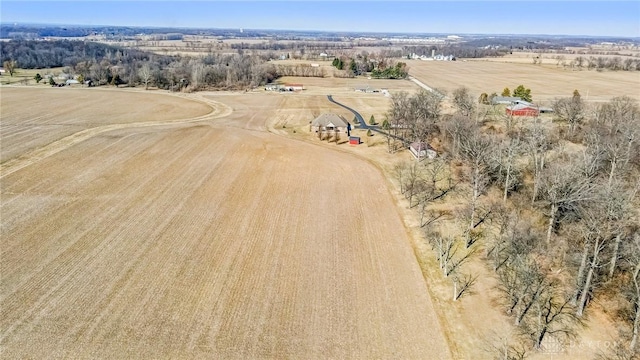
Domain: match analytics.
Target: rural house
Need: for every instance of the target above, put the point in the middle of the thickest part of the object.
(508, 100)
(293, 87)
(422, 150)
(522, 110)
(329, 123)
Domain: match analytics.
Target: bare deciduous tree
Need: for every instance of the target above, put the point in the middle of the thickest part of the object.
(476, 148)
(462, 284)
(145, 74)
(463, 101)
(10, 66)
(634, 260)
(504, 165)
(423, 113)
(593, 239)
(571, 110)
(524, 282)
(537, 143)
(565, 188)
(553, 316)
(499, 346)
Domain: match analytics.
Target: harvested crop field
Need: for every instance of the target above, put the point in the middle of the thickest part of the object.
(545, 81)
(33, 117)
(212, 239)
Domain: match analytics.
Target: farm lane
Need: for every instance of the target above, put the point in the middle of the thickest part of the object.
(420, 83)
(363, 124)
(218, 239)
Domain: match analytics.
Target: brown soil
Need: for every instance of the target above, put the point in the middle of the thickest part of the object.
(545, 81)
(211, 239)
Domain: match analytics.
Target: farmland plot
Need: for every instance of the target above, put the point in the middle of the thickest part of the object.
(545, 81)
(31, 118)
(215, 239)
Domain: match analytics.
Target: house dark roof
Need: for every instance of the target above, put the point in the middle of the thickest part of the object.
(330, 120)
(421, 146)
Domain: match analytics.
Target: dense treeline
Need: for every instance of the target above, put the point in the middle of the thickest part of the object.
(378, 65)
(551, 208)
(104, 64)
(459, 51)
(58, 53)
(307, 45)
(599, 63)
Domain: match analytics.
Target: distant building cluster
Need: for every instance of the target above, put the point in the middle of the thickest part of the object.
(284, 87)
(433, 57)
(429, 40)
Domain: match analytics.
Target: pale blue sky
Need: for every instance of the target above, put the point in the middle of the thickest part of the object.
(602, 18)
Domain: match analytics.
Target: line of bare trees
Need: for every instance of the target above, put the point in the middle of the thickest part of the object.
(615, 63)
(554, 216)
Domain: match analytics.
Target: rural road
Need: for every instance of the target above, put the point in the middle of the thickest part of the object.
(421, 84)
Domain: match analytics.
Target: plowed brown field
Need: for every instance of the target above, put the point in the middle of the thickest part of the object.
(546, 82)
(211, 239)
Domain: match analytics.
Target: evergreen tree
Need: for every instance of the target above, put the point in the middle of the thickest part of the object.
(522, 93)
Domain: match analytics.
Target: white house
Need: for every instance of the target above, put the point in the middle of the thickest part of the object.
(293, 87)
(422, 150)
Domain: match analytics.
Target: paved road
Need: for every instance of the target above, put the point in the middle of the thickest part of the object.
(363, 124)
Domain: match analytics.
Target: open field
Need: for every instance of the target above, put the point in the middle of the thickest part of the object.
(34, 117)
(211, 239)
(523, 57)
(545, 81)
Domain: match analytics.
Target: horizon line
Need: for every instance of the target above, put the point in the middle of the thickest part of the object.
(15, 23)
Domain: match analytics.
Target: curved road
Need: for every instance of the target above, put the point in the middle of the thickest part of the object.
(363, 124)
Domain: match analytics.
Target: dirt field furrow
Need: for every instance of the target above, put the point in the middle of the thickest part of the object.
(208, 240)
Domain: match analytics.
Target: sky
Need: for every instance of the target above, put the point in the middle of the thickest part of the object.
(597, 18)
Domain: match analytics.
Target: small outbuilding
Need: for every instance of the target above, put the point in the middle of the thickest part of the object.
(522, 110)
(293, 87)
(422, 150)
(354, 140)
(330, 123)
(507, 100)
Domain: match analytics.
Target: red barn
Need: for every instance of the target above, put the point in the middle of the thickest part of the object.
(522, 110)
